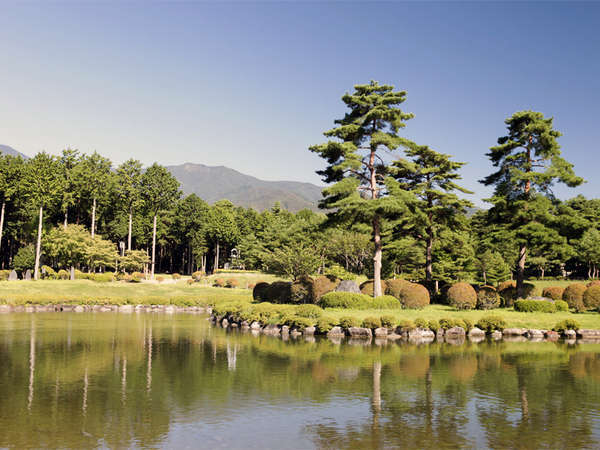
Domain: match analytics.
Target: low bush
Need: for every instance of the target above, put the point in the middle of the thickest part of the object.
(198, 275)
(367, 287)
(491, 323)
(433, 325)
(561, 305)
(535, 306)
(4, 274)
(421, 323)
(219, 282)
(371, 322)
(250, 285)
(301, 290)
(176, 276)
(349, 322)
(462, 296)
(573, 295)
(259, 293)
(231, 283)
(310, 311)
(325, 324)
(407, 324)
(414, 296)
(447, 323)
(190, 281)
(593, 283)
(388, 321)
(48, 273)
(339, 273)
(138, 275)
(591, 297)
(301, 323)
(322, 285)
(279, 292)
(487, 298)
(508, 293)
(468, 324)
(63, 274)
(350, 300)
(567, 324)
(160, 278)
(553, 292)
(105, 277)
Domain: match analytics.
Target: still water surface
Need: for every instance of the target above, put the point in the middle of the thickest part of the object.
(155, 380)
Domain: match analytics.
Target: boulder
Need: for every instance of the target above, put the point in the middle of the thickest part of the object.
(5, 309)
(225, 323)
(535, 334)
(358, 332)
(348, 286)
(309, 331)
(272, 329)
(255, 326)
(285, 330)
(552, 335)
(421, 333)
(393, 336)
(588, 334)
(126, 308)
(455, 332)
(514, 331)
(79, 309)
(381, 332)
(13, 276)
(476, 332)
(570, 334)
(336, 332)
(496, 335)
(169, 309)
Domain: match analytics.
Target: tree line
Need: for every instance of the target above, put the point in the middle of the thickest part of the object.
(392, 207)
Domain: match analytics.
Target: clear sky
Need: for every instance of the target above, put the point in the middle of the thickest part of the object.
(252, 85)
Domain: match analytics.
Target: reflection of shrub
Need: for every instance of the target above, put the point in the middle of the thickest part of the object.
(349, 322)
(535, 306)
(302, 290)
(487, 298)
(462, 296)
(463, 367)
(567, 324)
(350, 300)
(591, 297)
(491, 323)
(553, 292)
(371, 322)
(573, 295)
(310, 311)
(414, 296)
(367, 287)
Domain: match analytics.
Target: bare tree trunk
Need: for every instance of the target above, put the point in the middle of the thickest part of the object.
(377, 258)
(216, 257)
(129, 234)
(2, 224)
(66, 218)
(153, 246)
(521, 271)
(429, 256)
(36, 270)
(94, 218)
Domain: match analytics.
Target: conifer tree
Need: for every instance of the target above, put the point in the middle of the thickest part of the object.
(529, 163)
(128, 189)
(93, 176)
(356, 164)
(431, 177)
(11, 171)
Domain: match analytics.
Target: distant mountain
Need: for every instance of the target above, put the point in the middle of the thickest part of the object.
(11, 151)
(213, 183)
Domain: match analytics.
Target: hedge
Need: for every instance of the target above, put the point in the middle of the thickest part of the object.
(535, 306)
(350, 300)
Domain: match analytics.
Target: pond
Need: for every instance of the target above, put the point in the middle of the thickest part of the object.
(160, 380)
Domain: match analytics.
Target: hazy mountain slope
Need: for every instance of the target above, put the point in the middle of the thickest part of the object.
(7, 150)
(213, 183)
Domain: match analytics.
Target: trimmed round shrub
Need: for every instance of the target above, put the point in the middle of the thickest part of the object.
(219, 282)
(48, 273)
(371, 322)
(279, 292)
(301, 290)
(259, 293)
(421, 323)
(561, 305)
(232, 283)
(198, 275)
(325, 324)
(487, 298)
(414, 296)
(138, 275)
(491, 323)
(553, 292)
(394, 287)
(433, 325)
(367, 287)
(63, 274)
(350, 300)
(349, 322)
(591, 297)
(535, 306)
(468, 324)
(567, 324)
(322, 285)
(407, 324)
(105, 277)
(176, 276)
(388, 321)
(573, 295)
(160, 278)
(301, 323)
(507, 290)
(310, 311)
(462, 296)
(190, 281)
(447, 322)
(593, 283)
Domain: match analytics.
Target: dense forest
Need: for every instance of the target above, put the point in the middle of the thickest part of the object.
(404, 216)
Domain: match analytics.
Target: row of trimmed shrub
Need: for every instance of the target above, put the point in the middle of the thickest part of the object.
(541, 306)
(578, 296)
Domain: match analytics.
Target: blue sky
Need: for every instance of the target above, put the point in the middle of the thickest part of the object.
(252, 85)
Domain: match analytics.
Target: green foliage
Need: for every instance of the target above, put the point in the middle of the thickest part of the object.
(446, 323)
(388, 321)
(293, 261)
(535, 306)
(133, 260)
(414, 296)
(24, 259)
(349, 322)
(487, 298)
(421, 323)
(553, 292)
(434, 325)
(561, 305)
(48, 273)
(338, 272)
(567, 324)
(349, 300)
(63, 274)
(591, 297)
(4, 274)
(310, 311)
(573, 295)
(462, 296)
(491, 323)
(302, 290)
(406, 324)
(279, 292)
(395, 286)
(491, 268)
(371, 322)
(325, 324)
(232, 283)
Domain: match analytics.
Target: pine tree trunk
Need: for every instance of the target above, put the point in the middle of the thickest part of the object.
(2, 226)
(153, 247)
(94, 218)
(36, 270)
(216, 265)
(521, 271)
(429, 256)
(66, 218)
(129, 232)
(377, 257)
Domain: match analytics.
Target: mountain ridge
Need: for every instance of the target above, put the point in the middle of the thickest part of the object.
(8, 150)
